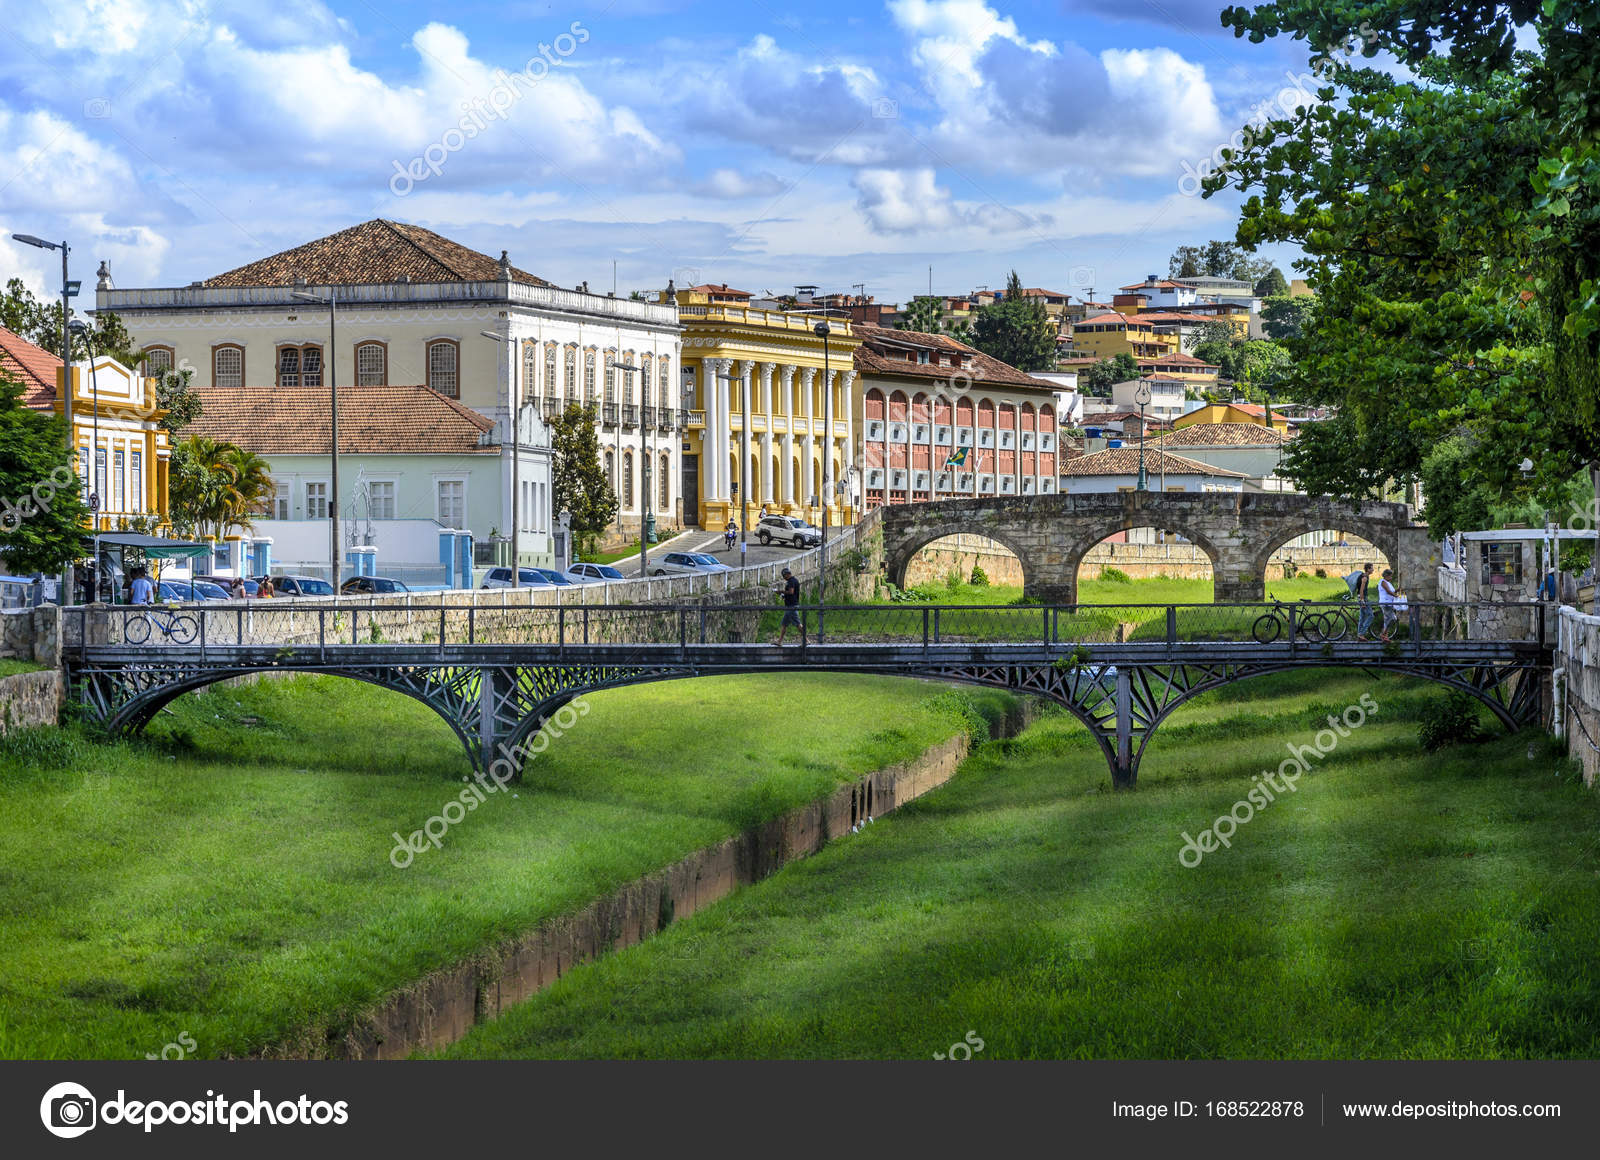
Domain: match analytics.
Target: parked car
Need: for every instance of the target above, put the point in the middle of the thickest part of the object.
(788, 530)
(559, 579)
(190, 591)
(526, 577)
(372, 586)
(226, 584)
(593, 573)
(299, 586)
(687, 564)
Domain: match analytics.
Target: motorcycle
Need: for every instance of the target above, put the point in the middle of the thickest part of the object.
(728, 538)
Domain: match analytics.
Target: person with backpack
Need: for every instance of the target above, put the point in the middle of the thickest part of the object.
(1360, 582)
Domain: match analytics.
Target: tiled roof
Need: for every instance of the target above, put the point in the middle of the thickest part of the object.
(1112, 316)
(1184, 360)
(1224, 435)
(1172, 316)
(983, 369)
(1035, 292)
(1125, 461)
(33, 366)
(716, 288)
(372, 421)
(1161, 284)
(1099, 417)
(373, 252)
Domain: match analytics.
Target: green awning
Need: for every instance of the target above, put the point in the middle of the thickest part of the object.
(153, 546)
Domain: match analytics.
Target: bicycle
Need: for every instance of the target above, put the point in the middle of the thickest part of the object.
(1269, 625)
(179, 627)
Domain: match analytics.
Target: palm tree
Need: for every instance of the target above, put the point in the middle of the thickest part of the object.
(249, 483)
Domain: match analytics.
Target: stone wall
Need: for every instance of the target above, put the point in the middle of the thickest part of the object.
(1576, 689)
(31, 699)
(32, 634)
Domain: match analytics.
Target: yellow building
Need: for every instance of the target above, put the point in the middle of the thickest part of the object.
(1231, 413)
(759, 379)
(128, 448)
(1113, 333)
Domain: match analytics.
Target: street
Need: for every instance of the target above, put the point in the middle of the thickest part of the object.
(711, 544)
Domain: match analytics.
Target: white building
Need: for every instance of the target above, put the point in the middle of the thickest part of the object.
(411, 309)
(1166, 395)
(1117, 469)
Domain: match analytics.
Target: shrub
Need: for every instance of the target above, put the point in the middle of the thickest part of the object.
(979, 578)
(1322, 573)
(952, 579)
(960, 706)
(1449, 721)
(1115, 576)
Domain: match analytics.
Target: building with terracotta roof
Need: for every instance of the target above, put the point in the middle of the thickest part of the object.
(1168, 395)
(1112, 333)
(1117, 469)
(115, 418)
(412, 306)
(927, 398)
(1237, 412)
(412, 464)
(1180, 366)
(1250, 448)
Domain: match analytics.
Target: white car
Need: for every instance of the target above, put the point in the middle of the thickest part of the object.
(593, 573)
(788, 530)
(687, 564)
(501, 578)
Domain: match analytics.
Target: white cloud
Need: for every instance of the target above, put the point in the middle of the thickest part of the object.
(732, 185)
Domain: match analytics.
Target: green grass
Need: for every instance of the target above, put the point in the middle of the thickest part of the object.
(230, 877)
(1398, 904)
(10, 667)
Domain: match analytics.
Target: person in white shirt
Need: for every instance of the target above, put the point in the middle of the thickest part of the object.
(1386, 601)
(142, 590)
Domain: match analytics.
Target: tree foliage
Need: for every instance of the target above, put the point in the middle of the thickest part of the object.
(176, 396)
(1098, 379)
(1272, 284)
(925, 314)
(40, 323)
(213, 486)
(1283, 317)
(578, 481)
(1451, 224)
(42, 513)
(1217, 259)
(1016, 330)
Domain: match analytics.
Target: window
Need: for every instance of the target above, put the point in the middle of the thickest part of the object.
(1502, 564)
(572, 374)
(136, 481)
(627, 479)
(452, 502)
(550, 370)
(117, 483)
(100, 476)
(380, 499)
(316, 501)
(442, 374)
(664, 479)
(372, 365)
(299, 366)
(588, 376)
(278, 505)
(666, 399)
(227, 365)
(530, 368)
(157, 360)
(611, 376)
(627, 383)
(611, 469)
(83, 472)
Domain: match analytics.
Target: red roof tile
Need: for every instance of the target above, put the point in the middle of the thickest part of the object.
(983, 369)
(33, 366)
(1124, 460)
(1224, 435)
(414, 420)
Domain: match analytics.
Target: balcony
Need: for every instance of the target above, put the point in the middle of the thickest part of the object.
(664, 417)
(630, 415)
(696, 419)
(549, 404)
(608, 414)
(648, 416)
(780, 423)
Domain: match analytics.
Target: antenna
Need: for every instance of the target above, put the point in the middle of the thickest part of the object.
(930, 280)
(861, 286)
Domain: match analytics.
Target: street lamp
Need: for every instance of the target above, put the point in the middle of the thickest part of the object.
(332, 363)
(1141, 395)
(68, 289)
(644, 456)
(84, 331)
(822, 331)
(744, 456)
(516, 466)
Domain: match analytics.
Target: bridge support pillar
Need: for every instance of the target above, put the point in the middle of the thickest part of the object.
(494, 689)
(1123, 769)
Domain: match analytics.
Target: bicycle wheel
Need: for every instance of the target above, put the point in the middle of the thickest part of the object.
(135, 629)
(1266, 628)
(1335, 624)
(183, 629)
(1310, 626)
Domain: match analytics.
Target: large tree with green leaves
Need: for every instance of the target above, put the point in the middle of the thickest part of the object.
(1451, 224)
(1217, 259)
(1016, 330)
(578, 481)
(1098, 379)
(925, 314)
(40, 323)
(42, 513)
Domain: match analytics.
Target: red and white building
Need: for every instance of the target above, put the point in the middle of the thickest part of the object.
(925, 397)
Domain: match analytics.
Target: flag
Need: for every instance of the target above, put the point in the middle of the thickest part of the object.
(958, 457)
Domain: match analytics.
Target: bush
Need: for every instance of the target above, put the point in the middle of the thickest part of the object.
(979, 578)
(1115, 576)
(1322, 573)
(1450, 721)
(952, 579)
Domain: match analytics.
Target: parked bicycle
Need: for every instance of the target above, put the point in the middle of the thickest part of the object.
(177, 627)
(1269, 626)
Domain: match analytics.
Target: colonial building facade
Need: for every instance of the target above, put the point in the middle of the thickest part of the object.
(411, 308)
(764, 380)
(926, 398)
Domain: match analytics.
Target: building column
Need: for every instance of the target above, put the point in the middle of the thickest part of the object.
(849, 457)
(746, 498)
(808, 377)
(787, 483)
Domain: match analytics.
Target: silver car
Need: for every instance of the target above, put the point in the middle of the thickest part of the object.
(593, 573)
(687, 564)
(788, 530)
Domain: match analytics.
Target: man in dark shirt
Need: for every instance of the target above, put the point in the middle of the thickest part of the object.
(791, 606)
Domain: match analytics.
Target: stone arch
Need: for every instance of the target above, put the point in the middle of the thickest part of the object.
(1382, 538)
(1088, 535)
(900, 557)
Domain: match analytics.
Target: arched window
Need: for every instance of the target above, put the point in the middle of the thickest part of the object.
(157, 360)
(588, 375)
(666, 394)
(627, 380)
(626, 495)
(227, 365)
(550, 386)
(300, 366)
(572, 374)
(442, 367)
(664, 483)
(611, 375)
(611, 468)
(372, 364)
(530, 370)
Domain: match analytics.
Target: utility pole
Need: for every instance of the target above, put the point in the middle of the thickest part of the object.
(331, 362)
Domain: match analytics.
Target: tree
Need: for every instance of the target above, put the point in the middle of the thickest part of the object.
(247, 485)
(1016, 330)
(578, 481)
(177, 398)
(1098, 379)
(1272, 283)
(1450, 218)
(923, 314)
(198, 486)
(1217, 259)
(42, 513)
(40, 324)
(1283, 317)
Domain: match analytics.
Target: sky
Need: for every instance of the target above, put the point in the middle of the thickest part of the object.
(757, 144)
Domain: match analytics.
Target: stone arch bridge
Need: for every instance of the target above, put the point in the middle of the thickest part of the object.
(1239, 531)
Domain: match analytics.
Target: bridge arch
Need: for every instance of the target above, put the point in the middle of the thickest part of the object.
(1083, 542)
(897, 564)
(1383, 540)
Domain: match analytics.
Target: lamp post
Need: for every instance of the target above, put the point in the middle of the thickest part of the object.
(744, 456)
(622, 368)
(332, 363)
(1141, 395)
(68, 289)
(516, 464)
(822, 331)
(83, 330)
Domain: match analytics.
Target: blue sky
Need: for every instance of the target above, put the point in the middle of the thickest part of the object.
(753, 143)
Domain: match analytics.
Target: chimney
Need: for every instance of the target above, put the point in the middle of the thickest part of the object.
(103, 277)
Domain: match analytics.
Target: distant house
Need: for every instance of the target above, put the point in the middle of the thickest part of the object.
(1117, 469)
(1162, 293)
(1110, 334)
(1167, 395)
(1213, 413)
(1250, 448)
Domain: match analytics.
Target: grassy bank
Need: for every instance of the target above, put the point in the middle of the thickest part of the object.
(230, 878)
(1397, 904)
(10, 667)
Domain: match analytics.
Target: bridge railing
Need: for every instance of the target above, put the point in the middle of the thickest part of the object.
(1302, 625)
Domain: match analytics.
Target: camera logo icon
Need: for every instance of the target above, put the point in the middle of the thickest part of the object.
(68, 1110)
(884, 108)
